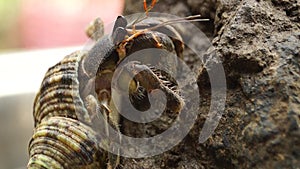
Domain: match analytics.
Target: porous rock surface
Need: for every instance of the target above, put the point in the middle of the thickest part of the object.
(259, 45)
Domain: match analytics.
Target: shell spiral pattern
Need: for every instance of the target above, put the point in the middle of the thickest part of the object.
(60, 139)
(59, 92)
(59, 142)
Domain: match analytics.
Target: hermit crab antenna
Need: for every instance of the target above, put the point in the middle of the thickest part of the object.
(193, 18)
(146, 8)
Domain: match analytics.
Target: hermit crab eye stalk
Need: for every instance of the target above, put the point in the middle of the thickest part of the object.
(120, 22)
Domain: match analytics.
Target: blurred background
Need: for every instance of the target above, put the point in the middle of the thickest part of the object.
(34, 35)
(36, 24)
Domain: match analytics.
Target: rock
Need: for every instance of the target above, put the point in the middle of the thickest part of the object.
(259, 45)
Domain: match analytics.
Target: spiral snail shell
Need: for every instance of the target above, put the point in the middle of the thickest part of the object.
(63, 137)
(60, 141)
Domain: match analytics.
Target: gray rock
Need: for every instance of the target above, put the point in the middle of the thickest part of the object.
(259, 44)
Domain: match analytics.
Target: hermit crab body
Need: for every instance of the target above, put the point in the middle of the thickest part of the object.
(78, 88)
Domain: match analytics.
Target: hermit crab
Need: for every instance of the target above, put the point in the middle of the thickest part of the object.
(74, 92)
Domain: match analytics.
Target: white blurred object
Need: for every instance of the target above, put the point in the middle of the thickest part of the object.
(21, 76)
(23, 72)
